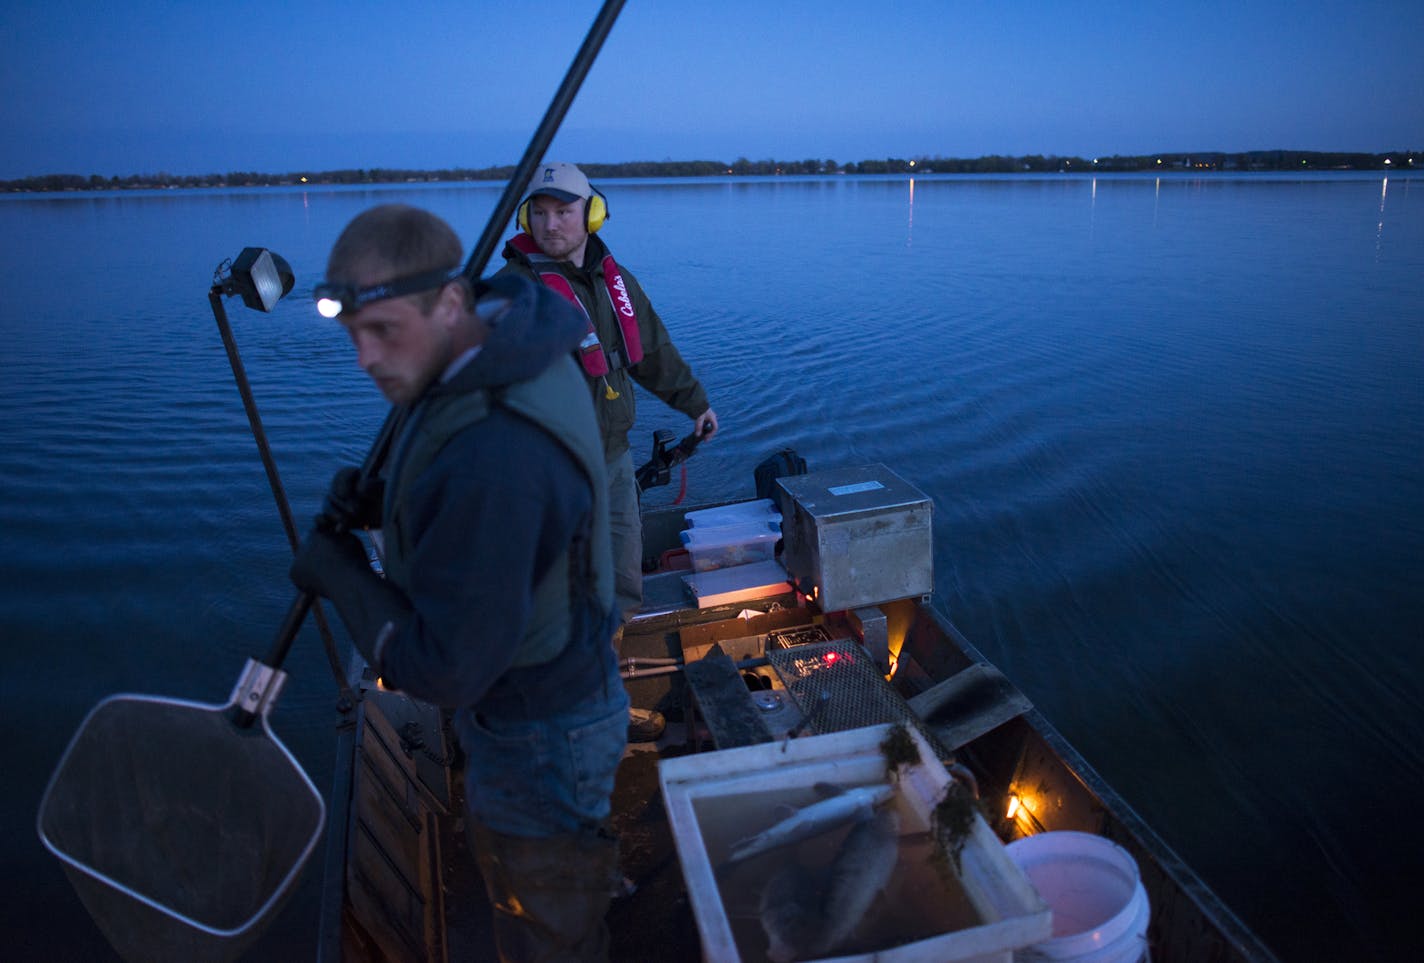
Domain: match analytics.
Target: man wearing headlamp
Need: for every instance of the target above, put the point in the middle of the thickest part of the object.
(497, 599)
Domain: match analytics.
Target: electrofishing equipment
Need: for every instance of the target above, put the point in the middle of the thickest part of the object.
(666, 456)
(183, 825)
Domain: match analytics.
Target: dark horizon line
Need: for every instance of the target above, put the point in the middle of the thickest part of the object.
(1253, 160)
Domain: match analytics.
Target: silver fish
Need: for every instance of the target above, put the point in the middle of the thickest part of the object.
(817, 818)
(860, 870)
(790, 912)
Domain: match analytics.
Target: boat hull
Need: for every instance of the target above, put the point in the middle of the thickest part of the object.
(400, 884)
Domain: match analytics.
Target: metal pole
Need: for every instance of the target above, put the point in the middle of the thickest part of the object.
(534, 153)
(479, 257)
(253, 418)
(279, 493)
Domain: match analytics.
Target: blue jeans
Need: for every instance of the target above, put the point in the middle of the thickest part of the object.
(550, 776)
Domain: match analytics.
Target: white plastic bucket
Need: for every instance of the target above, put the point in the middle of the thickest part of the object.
(1100, 910)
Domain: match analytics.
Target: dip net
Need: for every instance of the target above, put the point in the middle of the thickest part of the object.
(179, 829)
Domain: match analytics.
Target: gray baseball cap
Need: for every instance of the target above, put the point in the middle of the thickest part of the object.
(560, 180)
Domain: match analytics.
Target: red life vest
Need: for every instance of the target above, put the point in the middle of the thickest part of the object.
(593, 356)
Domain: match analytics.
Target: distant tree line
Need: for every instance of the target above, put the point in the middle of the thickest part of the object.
(1261, 160)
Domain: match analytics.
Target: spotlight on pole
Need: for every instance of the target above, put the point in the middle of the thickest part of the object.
(260, 277)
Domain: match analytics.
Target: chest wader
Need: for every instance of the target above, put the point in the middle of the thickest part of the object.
(549, 895)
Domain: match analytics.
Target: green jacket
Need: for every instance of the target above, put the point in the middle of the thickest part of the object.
(663, 372)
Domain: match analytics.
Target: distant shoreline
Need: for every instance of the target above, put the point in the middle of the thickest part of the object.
(1200, 161)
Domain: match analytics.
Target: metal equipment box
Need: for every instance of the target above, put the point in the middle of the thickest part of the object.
(859, 536)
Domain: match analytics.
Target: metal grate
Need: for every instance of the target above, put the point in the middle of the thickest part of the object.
(837, 686)
(796, 635)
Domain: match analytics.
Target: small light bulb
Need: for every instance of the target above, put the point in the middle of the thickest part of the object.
(328, 307)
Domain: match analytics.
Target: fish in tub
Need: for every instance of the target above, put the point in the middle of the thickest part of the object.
(837, 807)
(838, 876)
(803, 918)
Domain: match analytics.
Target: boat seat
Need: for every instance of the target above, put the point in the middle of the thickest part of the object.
(968, 704)
(720, 694)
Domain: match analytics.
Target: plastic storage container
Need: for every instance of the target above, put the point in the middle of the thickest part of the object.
(723, 546)
(738, 513)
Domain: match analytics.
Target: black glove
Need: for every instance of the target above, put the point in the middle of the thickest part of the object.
(335, 567)
(328, 559)
(352, 502)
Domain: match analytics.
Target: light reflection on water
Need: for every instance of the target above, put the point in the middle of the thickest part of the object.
(1171, 428)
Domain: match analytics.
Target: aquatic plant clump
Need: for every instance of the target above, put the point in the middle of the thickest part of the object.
(952, 819)
(950, 824)
(899, 749)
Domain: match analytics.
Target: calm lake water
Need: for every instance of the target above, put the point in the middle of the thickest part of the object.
(1173, 430)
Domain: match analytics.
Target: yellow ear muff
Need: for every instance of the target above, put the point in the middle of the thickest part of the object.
(596, 212)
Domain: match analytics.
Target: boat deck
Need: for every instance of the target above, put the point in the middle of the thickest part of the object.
(396, 909)
(401, 884)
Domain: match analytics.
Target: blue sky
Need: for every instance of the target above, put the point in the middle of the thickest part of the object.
(160, 85)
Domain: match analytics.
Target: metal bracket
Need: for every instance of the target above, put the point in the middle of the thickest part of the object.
(257, 688)
(874, 632)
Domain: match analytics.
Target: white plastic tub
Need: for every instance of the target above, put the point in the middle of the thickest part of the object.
(1100, 910)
